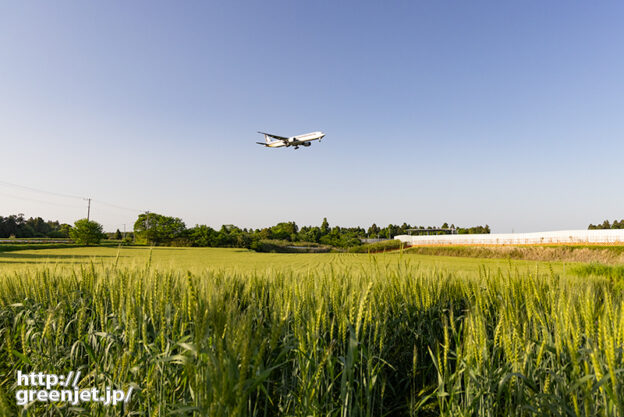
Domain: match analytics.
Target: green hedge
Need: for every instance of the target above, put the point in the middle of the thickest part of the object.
(284, 246)
(383, 246)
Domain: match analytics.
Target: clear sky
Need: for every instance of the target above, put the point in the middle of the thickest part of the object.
(467, 112)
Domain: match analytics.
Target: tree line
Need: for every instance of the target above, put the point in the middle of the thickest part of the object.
(157, 229)
(607, 225)
(20, 227)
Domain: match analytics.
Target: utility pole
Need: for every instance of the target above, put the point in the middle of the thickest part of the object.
(88, 207)
(147, 226)
(124, 230)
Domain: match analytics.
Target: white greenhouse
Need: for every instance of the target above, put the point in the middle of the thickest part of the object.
(562, 236)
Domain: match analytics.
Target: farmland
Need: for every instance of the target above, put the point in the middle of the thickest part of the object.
(224, 332)
(234, 259)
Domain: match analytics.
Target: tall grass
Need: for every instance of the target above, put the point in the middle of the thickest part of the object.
(371, 341)
(613, 272)
(568, 253)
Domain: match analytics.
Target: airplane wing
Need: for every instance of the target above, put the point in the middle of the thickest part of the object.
(274, 136)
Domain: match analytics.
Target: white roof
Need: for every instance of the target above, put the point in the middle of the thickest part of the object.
(560, 236)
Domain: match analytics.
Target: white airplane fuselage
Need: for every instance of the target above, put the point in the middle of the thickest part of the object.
(294, 141)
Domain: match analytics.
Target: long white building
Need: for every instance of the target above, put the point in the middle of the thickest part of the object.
(561, 236)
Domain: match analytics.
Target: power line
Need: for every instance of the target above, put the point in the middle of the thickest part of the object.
(39, 191)
(88, 207)
(116, 206)
(38, 201)
(9, 184)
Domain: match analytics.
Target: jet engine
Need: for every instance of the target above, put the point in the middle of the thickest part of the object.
(306, 144)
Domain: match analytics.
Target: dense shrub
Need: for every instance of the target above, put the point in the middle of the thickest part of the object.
(284, 246)
(383, 246)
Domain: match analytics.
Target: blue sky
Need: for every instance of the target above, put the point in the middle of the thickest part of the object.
(506, 113)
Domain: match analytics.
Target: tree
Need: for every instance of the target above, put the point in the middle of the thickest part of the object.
(64, 229)
(309, 234)
(153, 228)
(202, 235)
(373, 231)
(40, 228)
(324, 226)
(285, 231)
(118, 235)
(390, 231)
(86, 232)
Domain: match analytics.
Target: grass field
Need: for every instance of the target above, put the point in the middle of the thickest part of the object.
(223, 332)
(242, 260)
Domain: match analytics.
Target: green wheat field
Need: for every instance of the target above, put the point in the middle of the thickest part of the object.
(227, 332)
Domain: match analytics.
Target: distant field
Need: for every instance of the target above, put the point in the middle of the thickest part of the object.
(200, 259)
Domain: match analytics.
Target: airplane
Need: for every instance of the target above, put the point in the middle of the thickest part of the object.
(296, 141)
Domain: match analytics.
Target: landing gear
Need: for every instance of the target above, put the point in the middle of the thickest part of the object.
(296, 147)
